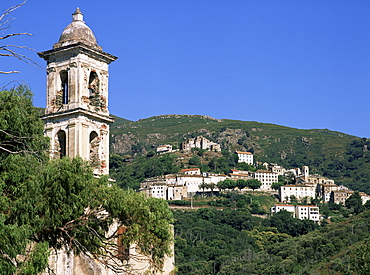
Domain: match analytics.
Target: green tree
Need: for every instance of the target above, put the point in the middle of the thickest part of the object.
(212, 186)
(48, 205)
(229, 184)
(240, 183)
(360, 263)
(354, 202)
(150, 154)
(244, 166)
(264, 236)
(276, 185)
(203, 186)
(21, 132)
(220, 185)
(289, 178)
(194, 160)
(254, 184)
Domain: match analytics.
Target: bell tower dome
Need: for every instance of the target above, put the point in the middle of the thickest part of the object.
(76, 116)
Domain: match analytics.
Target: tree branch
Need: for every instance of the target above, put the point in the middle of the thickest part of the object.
(7, 50)
(9, 72)
(11, 9)
(15, 34)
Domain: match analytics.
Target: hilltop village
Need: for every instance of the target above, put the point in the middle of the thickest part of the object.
(295, 189)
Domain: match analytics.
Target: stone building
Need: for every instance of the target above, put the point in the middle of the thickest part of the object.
(237, 174)
(77, 117)
(280, 170)
(200, 142)
(77, 123)
(340, 195)
(324, 191)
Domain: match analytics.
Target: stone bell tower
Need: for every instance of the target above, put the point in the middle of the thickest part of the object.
(77, 117)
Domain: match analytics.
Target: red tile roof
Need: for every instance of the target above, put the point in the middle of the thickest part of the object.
(190, 169)
(246, 153)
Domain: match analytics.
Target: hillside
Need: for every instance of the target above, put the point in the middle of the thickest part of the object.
(210, 241)
(342, 157)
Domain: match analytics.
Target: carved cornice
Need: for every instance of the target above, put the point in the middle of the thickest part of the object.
(79, 48)
(75, 113)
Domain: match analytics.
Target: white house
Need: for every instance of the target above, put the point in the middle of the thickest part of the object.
(158, 191)
(190, 182)
(278, 207)
(246, 157)
(299, 191)
(190, 171)
(165, 148)
(364, 197)
(266, 178)
(309, 212)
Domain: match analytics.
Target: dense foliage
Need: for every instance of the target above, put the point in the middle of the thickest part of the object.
(48, 205)
(210, 241)
(207, 240)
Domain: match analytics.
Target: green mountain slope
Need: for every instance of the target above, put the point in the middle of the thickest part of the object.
(228, 242)
(343, 157)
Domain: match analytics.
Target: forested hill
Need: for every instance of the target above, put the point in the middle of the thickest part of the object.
(342, 157)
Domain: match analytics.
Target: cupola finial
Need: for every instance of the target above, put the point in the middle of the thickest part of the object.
(78, 15)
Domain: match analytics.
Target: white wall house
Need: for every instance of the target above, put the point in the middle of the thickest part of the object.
(309, 212)
(299, 191)
(278, 207)
(191, 182)
(364, 197)
(246, 157)
(266, 178)
(190, 171)
(165, 148)
(158, 191)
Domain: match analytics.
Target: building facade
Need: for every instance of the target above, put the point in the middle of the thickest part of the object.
(267, 178)
(298, 191)
(309, 212)
(200, 142)
(164, 148)
(246, 157)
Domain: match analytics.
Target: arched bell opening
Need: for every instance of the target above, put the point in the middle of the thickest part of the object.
(94, 142)
(64, 81)
(62, 141)
(94, 84)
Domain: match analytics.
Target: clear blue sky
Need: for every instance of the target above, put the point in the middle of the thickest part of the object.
(303, 64)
